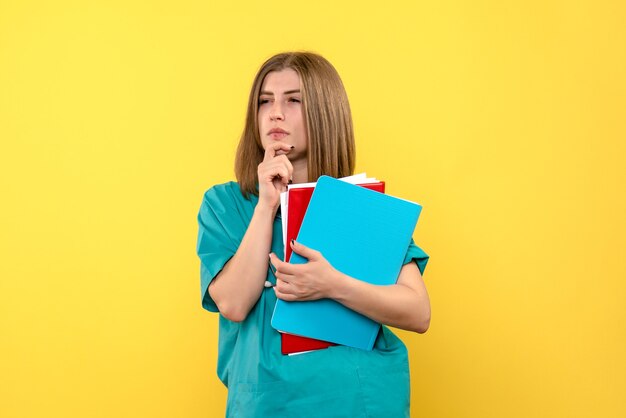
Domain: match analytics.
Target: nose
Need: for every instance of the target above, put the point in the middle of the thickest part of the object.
(276, 112)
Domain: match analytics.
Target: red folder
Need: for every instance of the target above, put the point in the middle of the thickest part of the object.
(291, 344)
(299, 199)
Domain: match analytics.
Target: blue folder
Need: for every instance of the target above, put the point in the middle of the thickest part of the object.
(362, 233)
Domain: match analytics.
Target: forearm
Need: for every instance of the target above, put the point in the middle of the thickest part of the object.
(238, 286)
(404, 305)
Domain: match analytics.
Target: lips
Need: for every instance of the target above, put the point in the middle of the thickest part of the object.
(277, 133)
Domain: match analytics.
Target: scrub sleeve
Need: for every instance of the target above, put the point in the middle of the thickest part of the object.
(336, 382)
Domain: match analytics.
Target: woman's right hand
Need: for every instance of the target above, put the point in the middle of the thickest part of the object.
(274, 174)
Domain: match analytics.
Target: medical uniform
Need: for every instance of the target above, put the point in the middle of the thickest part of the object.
(263, 383)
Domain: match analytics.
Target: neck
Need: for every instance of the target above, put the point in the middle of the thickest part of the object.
(300, 171)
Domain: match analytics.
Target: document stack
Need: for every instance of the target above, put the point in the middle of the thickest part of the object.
(361, 232)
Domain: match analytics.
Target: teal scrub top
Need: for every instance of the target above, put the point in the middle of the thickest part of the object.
(335, 382)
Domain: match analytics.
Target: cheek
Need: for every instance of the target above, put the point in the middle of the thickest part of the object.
(302, 122)
(302, 127)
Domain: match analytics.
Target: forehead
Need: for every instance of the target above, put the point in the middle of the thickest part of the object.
(279, 81)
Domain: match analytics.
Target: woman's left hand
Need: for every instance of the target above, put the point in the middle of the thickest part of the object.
(299, 282)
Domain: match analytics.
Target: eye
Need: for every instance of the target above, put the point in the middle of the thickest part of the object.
(295, 100)
(263, 101)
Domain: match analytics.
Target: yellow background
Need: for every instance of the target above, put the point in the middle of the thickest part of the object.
(506, 120)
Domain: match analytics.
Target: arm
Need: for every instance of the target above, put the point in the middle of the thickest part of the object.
(404, 305)
(238, 286)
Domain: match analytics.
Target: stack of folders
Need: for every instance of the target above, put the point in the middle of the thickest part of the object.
(361, 232)
(293, 205)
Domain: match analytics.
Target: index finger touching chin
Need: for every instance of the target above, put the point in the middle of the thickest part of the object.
(277, 148)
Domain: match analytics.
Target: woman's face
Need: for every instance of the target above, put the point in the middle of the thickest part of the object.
(280, 115)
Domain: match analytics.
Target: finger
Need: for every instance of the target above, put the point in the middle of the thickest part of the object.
(271, 172)
(283, 267)
(277, 262)
(283, 174)
(286, 291)
(277, 163)
(287, 278)
(286, 288)
(273, 261)
(288, 164)
(283, 286)
(279, 184)
(274, 147)
(284, 296)
(304, 251)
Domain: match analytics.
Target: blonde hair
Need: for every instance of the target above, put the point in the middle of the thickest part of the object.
(326, 111)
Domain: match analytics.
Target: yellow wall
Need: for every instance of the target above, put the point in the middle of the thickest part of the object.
(504, 119)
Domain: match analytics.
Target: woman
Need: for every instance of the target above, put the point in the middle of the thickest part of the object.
(298, 127)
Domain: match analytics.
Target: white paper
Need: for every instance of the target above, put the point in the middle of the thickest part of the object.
(284, 210)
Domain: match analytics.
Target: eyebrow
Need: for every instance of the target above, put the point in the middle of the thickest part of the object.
(269, 93)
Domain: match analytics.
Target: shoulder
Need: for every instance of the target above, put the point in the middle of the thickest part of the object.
(226, 198)
(225, 190)
(225, 210)
(223, 194)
